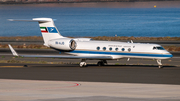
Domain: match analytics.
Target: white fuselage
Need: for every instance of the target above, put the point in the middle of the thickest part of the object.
(118, 50)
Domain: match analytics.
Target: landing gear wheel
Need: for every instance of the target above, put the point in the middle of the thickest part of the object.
(160, 67)
(100, 63)
(82, 64)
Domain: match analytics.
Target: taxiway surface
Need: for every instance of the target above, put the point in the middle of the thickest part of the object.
(93, 73)
(40, 82)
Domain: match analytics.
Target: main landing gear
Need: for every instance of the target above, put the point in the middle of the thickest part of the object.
(100, 63)
(83, 63)
(160, 64)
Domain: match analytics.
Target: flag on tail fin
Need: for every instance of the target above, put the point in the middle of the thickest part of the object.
(43, 29)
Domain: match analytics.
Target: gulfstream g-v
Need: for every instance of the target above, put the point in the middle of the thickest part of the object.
(87, 49)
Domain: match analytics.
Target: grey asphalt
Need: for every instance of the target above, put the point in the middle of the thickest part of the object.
(42, 90)
(92, 73)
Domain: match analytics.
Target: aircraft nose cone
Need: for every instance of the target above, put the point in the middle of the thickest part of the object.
(169, 55)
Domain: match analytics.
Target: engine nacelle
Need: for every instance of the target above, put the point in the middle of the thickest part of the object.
(63, 44)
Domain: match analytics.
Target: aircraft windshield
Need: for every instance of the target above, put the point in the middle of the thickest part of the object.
(158, 48)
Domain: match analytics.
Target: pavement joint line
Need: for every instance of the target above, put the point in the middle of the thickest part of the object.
(72, 84)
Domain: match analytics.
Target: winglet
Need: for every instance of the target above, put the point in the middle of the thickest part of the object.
(13, 51)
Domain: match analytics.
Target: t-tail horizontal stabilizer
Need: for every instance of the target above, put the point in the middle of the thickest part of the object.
(33, 20)
(13, 51)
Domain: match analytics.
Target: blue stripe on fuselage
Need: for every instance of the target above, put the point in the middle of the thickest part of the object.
(121, 53)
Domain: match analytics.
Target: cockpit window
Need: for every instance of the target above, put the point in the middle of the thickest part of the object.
(158, 48)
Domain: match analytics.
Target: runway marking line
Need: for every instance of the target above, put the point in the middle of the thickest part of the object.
(11, 66)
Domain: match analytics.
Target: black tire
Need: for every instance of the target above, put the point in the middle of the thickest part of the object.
(100, 63)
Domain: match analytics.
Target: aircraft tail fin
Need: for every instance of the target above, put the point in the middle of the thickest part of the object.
(47, 27)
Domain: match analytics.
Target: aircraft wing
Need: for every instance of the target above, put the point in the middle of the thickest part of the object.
(68, 56)
(59, 56)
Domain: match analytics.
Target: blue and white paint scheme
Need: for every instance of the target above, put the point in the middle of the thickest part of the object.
(87, 49)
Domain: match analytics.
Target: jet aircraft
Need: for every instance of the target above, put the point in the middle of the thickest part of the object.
(87, 49)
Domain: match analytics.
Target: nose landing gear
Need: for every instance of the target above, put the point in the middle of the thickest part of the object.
(160, 64)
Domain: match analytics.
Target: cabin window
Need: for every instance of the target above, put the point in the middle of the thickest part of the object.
(104, 48)
(123, 49)
(56, 42)
(110, 48)
(129, 49)
(116, 49)
(98, 48)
